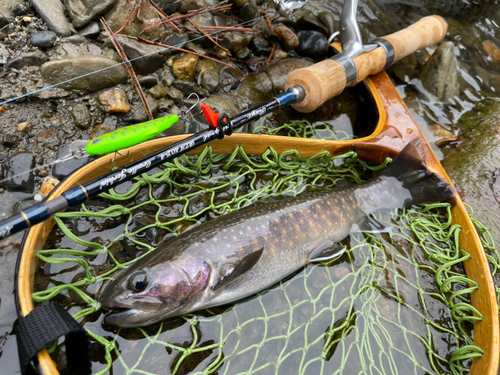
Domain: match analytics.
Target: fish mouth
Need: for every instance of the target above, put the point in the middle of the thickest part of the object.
(122, 317)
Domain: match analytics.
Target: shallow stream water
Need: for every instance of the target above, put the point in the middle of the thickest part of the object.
(471, 162)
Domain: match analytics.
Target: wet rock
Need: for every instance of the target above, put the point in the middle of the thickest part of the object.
(229, 77)
(256, 89)
(165, 104)
(20, 10)
(83, 12)
(287, 37)
(7, 5)
(4, 21)
(148, 81)
(492, 51)
(114, 100)
(184, 67)
(91, 30)
(326, 18)
(158, 91)
(76, 39)
(439, 74)
(196, 49)
(110, 122)
(167, 81)
(99, 130)
(121, 11)
(25, 127)
(48, 138)
(264, 85)
(48, 185)
(279, 55)
(155, 59)
(7, 30)
(66, 48)
(190, 5)
(239, 3)
(234, 41)
(52, 11)
(43, 39)
(312, 44)
(244, 54)
(490, 78)
(14, 166)
(81, 116)
(260, 46)
(56, 71)
(138, 113)
(175, 95)
(9, 140)
(61, 170)
(167, 6)
(248, 12)
(178, 41)
(312, 24)
(223, 104)
(208, 76)
(278, 72)
(26, 59)
(185, 87)
(202, 20)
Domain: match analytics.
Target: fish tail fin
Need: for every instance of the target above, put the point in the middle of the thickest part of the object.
(409, 167)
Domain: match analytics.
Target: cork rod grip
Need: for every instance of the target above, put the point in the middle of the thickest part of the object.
(326, 79)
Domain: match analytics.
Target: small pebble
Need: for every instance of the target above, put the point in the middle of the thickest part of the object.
(27, 19)
(24, 127)
(48, 185)
(43, 39)
(38, 197)
(20, 10)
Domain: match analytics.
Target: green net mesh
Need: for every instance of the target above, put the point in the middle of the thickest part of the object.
(393, 303)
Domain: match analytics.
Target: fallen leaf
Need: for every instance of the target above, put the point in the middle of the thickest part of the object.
(445, 141)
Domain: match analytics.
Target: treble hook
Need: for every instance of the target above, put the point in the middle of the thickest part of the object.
(118, 153)
(182, 113)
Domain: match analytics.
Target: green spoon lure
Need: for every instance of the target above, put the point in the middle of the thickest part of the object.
(124, 137)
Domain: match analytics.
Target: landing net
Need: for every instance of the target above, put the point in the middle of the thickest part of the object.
(393, 303)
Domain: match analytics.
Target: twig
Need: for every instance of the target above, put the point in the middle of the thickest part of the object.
(209, 37)
(199, 11)
(165, 17)
(229, 28)
(139, 39)
(271, 54)
(126, 22)
(128, 66)
(266, 16)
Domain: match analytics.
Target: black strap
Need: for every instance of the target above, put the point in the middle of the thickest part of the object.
(45, 324)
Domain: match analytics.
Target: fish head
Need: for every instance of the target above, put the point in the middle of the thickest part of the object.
(146, 294)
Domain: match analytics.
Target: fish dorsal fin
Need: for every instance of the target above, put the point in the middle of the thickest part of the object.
(328, 250)
(369, 225)
(230, 272)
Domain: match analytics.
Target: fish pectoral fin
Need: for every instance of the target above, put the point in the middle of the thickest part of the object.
(328, 250)
(370, 225)
(234, 271)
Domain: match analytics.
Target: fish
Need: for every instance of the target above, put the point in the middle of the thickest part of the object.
(237, 255)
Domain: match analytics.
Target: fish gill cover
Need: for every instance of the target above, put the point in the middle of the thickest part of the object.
(395, 302)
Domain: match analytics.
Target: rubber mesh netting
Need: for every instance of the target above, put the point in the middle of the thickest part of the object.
(394, 303)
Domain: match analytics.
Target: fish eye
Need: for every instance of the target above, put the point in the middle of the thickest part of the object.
(138, 281)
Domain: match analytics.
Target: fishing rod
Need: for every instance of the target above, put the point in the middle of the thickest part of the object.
(306, 90)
